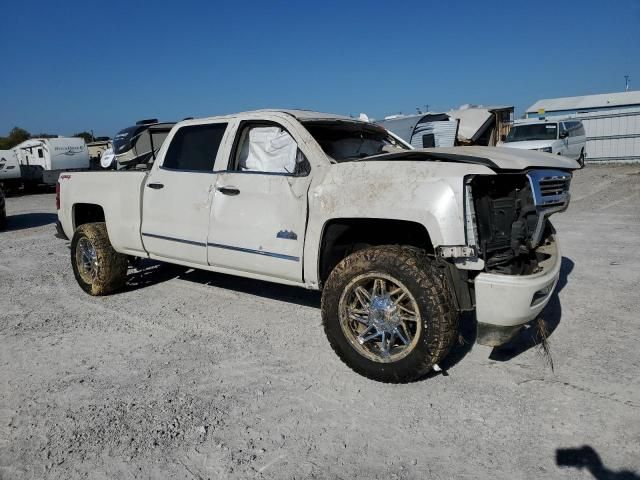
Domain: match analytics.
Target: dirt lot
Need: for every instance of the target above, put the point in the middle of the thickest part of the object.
(196, 375)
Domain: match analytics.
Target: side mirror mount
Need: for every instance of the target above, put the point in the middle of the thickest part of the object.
(564, 134)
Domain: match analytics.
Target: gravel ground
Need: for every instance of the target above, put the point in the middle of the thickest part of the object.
(189, 374)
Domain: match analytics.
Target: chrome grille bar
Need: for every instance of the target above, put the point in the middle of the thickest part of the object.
(550, 189)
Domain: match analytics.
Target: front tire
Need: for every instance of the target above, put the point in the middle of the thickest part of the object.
(389, 313)
(98, 268)
(581, 158)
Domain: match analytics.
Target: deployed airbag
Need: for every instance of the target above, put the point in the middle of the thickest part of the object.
(268, 149)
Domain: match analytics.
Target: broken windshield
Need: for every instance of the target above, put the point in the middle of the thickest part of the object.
(534, 131)
(346, 141)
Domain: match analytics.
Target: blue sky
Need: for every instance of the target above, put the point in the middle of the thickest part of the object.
(76, 65)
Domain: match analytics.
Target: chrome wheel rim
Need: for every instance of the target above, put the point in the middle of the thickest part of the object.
(380, 317)
(86, 260)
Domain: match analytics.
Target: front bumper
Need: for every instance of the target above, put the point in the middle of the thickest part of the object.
(505, 302)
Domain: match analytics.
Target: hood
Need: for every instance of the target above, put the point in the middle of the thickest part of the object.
(529, 144)
(496, 158)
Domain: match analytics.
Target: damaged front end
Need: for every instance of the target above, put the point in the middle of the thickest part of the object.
(507, 217)
(507, 225)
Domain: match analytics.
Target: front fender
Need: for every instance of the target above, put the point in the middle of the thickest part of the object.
(418, 192)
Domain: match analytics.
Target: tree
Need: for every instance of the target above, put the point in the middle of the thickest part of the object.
(16, 136)
(88, 137)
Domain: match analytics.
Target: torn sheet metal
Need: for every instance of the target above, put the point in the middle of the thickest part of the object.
(473, 122)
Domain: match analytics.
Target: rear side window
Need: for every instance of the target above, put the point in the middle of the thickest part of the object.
(195, 148)
(575, 129)
(571, 127)
(40, 154)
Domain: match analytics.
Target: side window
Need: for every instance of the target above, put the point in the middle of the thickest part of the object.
(428, 140)
(267, 148)
(40, 154)
(580, 129)
(563, 127)
(194, 148)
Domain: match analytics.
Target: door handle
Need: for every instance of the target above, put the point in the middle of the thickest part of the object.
(228, 190)
(155, 186)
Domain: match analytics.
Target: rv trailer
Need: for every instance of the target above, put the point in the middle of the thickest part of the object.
(97, 148)
(9, 169)
(42, 160)
(467, 125)
(139, 144)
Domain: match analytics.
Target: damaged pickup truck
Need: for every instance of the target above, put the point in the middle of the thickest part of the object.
(400, 241)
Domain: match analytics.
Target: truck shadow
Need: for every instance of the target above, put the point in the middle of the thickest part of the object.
(29, 220)
(151, 273)
(587, 458)
(528, 338)
(523, 341)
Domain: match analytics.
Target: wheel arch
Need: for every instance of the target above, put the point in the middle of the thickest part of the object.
(82, 213)
(342, 236)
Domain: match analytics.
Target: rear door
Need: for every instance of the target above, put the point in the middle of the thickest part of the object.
(259, 211)
(177, 194)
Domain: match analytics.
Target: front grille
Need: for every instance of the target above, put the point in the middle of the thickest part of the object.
(550, 190)
(553, 187)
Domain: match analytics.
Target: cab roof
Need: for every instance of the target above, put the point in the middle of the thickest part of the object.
(301, 115)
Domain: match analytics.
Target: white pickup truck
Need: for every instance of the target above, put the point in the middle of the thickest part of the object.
(400, 241)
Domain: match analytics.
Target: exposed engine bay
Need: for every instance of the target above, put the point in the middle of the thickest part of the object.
(511, 212)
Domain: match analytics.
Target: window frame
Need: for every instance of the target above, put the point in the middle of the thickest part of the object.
(226, 123)
(563, 127)
(242, 124)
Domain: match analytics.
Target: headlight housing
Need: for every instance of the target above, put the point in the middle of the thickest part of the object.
(546, 149)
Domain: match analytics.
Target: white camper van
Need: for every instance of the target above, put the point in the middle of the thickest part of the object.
(43, 159)
(9, 169)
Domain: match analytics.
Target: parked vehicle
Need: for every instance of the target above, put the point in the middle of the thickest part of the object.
(3, 211)
(400, 241)
(97, 149)
(43, 159)
(108, 159)
(468, 125)
(565, 138)
(139, 144)
(9, 170)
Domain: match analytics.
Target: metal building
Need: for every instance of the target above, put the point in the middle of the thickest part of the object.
(611, 121)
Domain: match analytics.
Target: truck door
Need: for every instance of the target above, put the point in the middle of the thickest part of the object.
(259, 211)
(177, 195)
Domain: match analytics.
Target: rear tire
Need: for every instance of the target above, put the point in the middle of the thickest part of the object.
(98, 268)
(353, 313)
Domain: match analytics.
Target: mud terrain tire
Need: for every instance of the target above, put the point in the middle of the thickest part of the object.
(98, 268)
(428, 286)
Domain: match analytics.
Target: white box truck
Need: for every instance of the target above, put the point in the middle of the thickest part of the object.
(43, 159)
